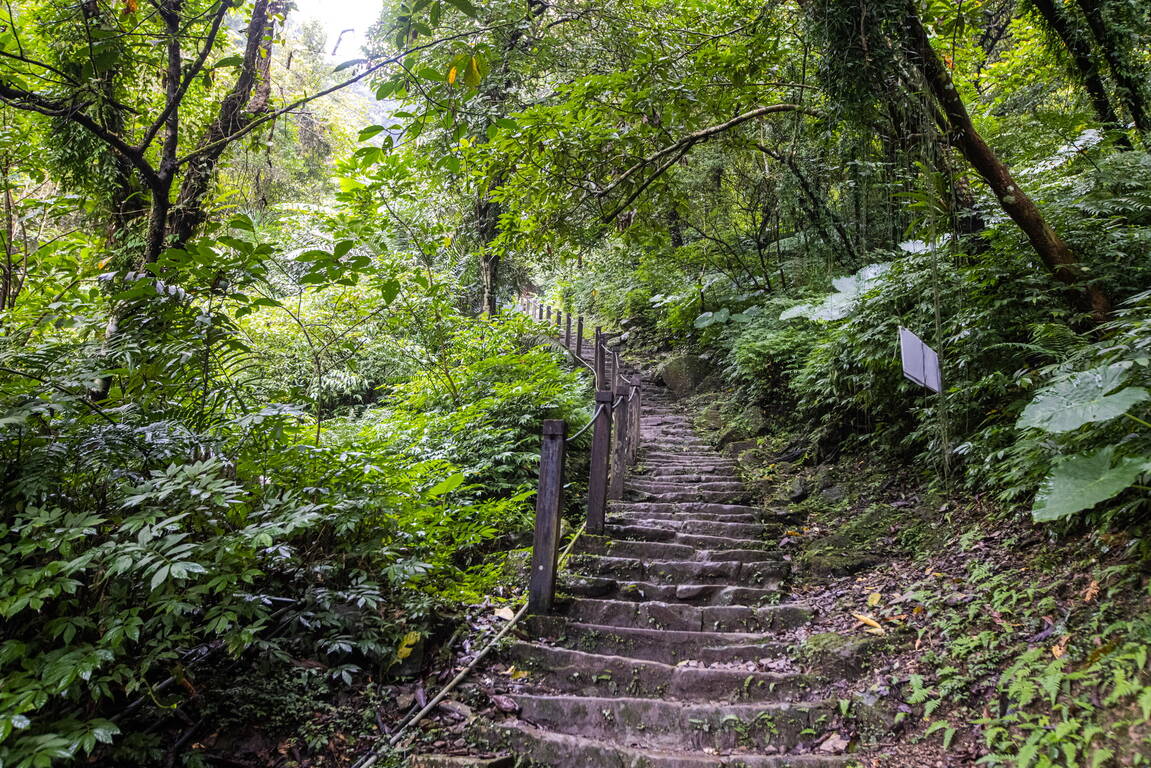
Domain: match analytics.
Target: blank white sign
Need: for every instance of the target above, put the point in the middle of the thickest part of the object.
(920, 363)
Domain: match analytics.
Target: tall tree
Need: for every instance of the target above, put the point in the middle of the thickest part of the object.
(1077, 43)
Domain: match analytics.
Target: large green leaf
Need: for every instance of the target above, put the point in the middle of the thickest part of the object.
(1081, 398)
(1083, 481)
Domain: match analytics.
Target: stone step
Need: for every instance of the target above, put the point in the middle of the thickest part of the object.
(683, 617)
(669, 647)
(652, 485)
(640, 511)
(687, 475)
(765, 573)
(670, 535)
(561, 750)
(589, 674)
(676, 725)
(691, 508)
(669, 550)
(688, 459)
(688, 496)
(693, 594)
(693, 525)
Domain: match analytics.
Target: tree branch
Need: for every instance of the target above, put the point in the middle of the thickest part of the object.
(197, 65)
(687, 142)
(29, 101)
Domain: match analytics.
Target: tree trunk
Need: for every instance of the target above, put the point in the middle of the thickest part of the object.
(1078, 46)
(1130, 76)
(1051, 248)
(188, 213)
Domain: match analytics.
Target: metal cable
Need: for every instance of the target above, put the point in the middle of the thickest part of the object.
(584, 428)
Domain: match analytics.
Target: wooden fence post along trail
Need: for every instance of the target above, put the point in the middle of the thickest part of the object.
(615, 439)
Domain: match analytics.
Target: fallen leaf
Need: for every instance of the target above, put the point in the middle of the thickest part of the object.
(505, 613)
(1059, 649)
(873, 599)
(865, 619)
(407, 645)
(1092, 591)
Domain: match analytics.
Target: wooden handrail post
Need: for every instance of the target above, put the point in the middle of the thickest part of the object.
(549, 504)
(600, 458)
(559, 321)
(615, 377)
(579, 336)
(620, 449)
(600, 372)
(549, 314)
(568, 331)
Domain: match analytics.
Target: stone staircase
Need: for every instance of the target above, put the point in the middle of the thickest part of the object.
(673, 644)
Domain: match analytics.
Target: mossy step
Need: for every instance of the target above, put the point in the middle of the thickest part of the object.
(692, 525)
(652, 485)
(687, 495)
(669, 647)
(634, 512)
(691, 594)
(561, 750)
(690, 508)
(683, 475)
(739, 567)
(589, 544)
(590, 674)
(686, 617)
(657, 723)
(651, 533)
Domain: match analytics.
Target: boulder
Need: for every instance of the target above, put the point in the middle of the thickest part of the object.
(798, 490)
(753, 420)
(683, 374)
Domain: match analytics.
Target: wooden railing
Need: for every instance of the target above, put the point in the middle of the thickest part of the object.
(615, 426)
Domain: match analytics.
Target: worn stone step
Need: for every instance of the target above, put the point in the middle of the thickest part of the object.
(639, 511)
(693, 525)
(591, 674)
(667, 646)
(687, 496)
(688, 459)
(687, 618)
(683, 475)
(676, 725)
(690, 508)
(668, 551)
(652, 485)
(693, 594)
(670, 535)
(561, 750)
(764, 573)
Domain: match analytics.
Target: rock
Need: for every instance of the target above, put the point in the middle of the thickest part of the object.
(683, 374)
(740, 447)
(506, 704)
(836, 656)
(834, 744)
(753, 420)
(733, 433)
(798, 490)
(712, 418)
(833, 493)
(457, 709)
(838, 563)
